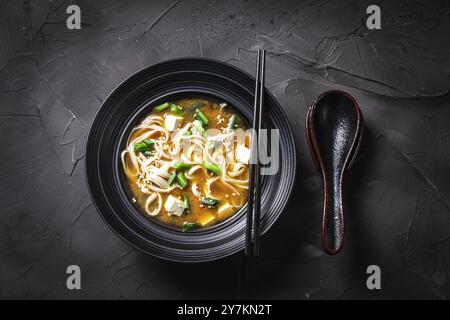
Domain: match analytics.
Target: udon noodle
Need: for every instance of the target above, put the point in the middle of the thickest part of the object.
(186, 163)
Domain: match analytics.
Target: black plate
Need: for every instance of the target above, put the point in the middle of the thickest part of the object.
(134, 98)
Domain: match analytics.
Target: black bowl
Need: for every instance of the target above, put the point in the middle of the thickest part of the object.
(134, 98)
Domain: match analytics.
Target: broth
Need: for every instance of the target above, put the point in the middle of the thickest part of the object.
(215, 189)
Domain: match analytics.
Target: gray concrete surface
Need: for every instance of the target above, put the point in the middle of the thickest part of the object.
(53, 80)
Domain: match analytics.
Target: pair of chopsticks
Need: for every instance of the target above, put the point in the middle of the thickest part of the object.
(254, 188)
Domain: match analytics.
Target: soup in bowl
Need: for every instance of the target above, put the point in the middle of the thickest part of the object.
(186, 163)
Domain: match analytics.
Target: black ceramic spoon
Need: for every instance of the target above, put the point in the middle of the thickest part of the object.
(334, 124)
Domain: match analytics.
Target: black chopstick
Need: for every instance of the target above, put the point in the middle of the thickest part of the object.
(254, 165)
(257, 205)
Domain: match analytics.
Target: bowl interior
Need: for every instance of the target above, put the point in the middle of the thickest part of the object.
(138, 215)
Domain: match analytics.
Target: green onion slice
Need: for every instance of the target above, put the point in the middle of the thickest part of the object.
(202, 117)
(187, 203)
(199, 127)
(212, 167)
(189, 226)
(176, 109)
(162, 107)
(182, 166)
(181, 179)
(210, 201)
(172, 179)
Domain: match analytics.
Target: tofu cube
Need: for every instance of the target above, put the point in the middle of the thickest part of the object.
(174, 206)
(206, 218)
(243, 154)
(225, 209)
(172, 122)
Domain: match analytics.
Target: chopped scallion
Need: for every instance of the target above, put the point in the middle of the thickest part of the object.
(141, 147)
(181, 179)
(162, 107)
(149, 142)
(199, 127)
(210, 201)
(202, 117)
(187, 203)
(232, 123)
(172, 179)
(189, 226)
(176, 109)
(212, 167)
(182, 166)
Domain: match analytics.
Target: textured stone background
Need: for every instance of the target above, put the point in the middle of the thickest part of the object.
(53, 80)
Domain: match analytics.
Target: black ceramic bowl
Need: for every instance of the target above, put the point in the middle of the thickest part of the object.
(134, 98)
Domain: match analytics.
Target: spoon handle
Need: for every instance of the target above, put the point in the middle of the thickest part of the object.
(333, 216)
